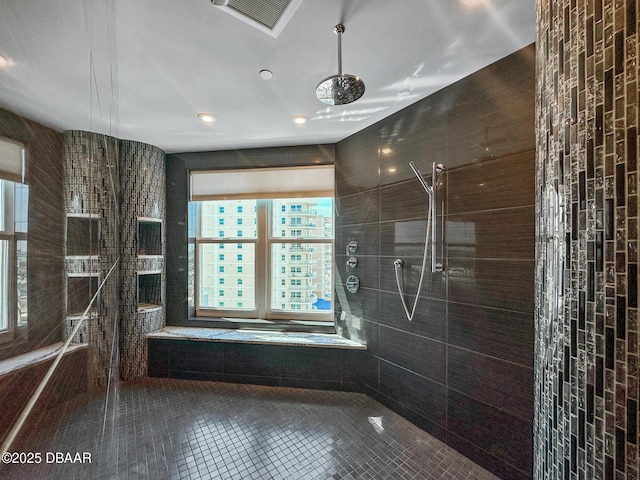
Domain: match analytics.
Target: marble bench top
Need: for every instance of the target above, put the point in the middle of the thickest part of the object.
(254, 336)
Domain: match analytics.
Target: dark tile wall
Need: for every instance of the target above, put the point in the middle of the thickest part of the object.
(178, 166)
(463, 368)
(587, 350)
(45, 258)
(67, 382)
(276, 365)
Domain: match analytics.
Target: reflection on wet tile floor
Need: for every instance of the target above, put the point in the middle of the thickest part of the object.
(166, 429)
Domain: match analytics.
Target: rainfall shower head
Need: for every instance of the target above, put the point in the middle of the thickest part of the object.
(342, 88)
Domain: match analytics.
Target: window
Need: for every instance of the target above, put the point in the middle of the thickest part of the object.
(221, 221)
(280, 213)
(14, 206)
(292, 259)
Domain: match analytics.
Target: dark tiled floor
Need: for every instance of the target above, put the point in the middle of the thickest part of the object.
(167, 429)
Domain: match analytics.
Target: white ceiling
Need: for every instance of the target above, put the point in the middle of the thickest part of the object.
(143, 69)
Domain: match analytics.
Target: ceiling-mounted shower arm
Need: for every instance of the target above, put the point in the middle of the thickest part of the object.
(339, 29)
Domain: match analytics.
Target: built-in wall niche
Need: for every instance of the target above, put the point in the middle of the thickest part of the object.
(149, 236)
(80, 291)
(83, 235)
(149, 290)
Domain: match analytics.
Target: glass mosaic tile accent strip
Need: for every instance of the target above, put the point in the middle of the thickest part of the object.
(142, 183)
(116, 182)
(91, 183)
(587, 374)
(178, 429)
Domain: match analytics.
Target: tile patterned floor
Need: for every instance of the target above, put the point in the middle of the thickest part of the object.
(178, 429)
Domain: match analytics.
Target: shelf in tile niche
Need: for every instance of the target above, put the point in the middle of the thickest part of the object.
(82, 235)
(149, 264)
(80, 291)
(148, 307)
(78, 315)
(149, 290)
(149, 237)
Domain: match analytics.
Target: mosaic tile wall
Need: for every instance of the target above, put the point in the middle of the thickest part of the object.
(587, 378)
(91, 188)
(142, 182)
(117, 182)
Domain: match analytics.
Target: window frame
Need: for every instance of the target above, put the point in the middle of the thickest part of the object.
(15, 327)
(263, 276)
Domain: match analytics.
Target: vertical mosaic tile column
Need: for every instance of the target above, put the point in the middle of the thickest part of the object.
(143, 279)
(91, 191)
(587, 373)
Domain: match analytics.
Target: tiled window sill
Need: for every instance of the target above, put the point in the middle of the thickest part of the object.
(302, 339)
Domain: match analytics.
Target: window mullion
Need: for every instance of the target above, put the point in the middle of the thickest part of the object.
(262, 258)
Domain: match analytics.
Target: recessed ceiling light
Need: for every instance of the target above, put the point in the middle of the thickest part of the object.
(300, 119)
(266, 74)
(386, 150)
(4, 61)
(206, 117)
(391, 169)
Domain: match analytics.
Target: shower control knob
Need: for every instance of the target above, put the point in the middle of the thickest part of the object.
(352, 283)
(352, 247)
(352, 262)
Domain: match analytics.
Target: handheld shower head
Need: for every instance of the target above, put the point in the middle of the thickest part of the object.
(421, 179)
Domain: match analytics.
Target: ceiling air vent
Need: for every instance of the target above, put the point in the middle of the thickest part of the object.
(269, 16)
